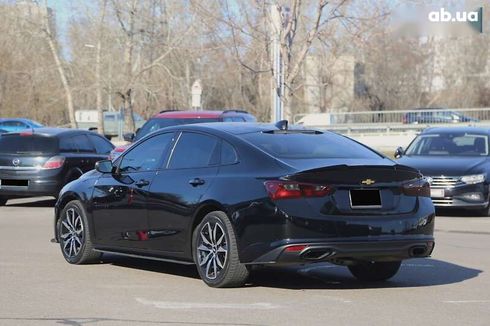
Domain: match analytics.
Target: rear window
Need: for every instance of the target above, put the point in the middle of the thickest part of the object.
(159, 123)
(17, 144)
(296, 145)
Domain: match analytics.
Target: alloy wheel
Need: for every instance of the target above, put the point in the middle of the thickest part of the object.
(71, 234)
(212, 249)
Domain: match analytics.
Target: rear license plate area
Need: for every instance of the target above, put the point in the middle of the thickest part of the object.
(13, 183)
(365, 198)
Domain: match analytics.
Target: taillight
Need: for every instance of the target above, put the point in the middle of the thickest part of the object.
(277, 189)
(119, 149)
(295, 248)
(419, 187)
(54, 162)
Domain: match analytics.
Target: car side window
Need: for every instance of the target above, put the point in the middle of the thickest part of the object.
(102, 146)
(83, 144)
(194, 150)
(228, 153)
(15, 124)
(148, 155)
(67, 145)
(233, 119)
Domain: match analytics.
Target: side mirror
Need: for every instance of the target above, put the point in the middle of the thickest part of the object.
(129, 136)
(399, 152)
(104, 166)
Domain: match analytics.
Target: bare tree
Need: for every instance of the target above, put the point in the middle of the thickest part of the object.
(50, 37)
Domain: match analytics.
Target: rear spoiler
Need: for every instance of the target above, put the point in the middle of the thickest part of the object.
(356, 174)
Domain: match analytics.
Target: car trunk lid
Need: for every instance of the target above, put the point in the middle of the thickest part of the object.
(360, 189)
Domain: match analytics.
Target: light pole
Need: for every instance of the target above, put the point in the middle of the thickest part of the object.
(277, 102)
(98, 88)
(276, 25)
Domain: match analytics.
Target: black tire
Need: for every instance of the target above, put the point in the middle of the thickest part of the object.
(74, 236)
(375, 271)
(3, 200)
(208, 252)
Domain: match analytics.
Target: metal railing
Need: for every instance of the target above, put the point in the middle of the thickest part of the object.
(394, 121)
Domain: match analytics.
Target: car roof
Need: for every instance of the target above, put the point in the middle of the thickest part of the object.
(176, 114)
(462, 129)
(51, 132)
(15, 119)
(430, 109)
(234, 128)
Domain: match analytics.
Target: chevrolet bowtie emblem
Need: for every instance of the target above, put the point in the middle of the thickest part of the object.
(368, 182)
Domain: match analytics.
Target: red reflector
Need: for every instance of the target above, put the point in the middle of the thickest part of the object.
(296, 248)
(54, 162)
(26, 133)
(277, 189)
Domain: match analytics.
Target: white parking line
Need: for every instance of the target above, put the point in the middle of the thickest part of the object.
(199, 305)
(418, 265)
(467, 301)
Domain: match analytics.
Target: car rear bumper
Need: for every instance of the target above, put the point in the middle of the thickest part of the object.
(345, 252)
(29, 185)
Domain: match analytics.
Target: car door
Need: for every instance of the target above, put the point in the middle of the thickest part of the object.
(177, 190)
(120, 198)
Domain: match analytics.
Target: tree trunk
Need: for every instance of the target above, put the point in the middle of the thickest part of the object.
(61, 71)
(128, 61)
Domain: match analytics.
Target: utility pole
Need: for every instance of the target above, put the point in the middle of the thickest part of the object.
(277, 72)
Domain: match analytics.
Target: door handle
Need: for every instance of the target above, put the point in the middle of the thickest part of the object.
(196, 182)
(142, 183)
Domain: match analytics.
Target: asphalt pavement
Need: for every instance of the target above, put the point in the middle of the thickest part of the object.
(37, 286)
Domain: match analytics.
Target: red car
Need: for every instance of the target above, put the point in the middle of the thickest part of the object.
(175, 117)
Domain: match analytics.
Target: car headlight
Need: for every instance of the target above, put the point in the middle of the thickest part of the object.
(472, 179)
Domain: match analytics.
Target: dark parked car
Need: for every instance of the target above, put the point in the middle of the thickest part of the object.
(170, 118)
(230, 196)
(18, 124)
(429, 116)
(457, 164)
(39, 162)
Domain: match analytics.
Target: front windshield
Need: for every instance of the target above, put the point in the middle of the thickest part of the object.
(36, 124)
(159, 123)
(449, 144)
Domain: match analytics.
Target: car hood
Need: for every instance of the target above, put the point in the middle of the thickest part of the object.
(450, 166)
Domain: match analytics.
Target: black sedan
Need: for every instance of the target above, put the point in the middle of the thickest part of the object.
(40, 161)
(230, 196)
(457, 164)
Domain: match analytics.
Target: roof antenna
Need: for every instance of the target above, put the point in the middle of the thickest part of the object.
(282, 125)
